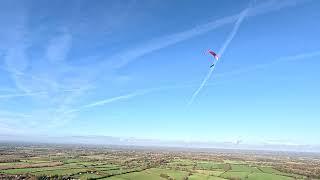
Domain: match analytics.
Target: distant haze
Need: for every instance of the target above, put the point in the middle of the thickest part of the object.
(108, 140)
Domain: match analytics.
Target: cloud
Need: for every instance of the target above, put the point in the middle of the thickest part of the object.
(59, 47)
(13, 122)
(45, 75)
(16, 115)
(40, 76)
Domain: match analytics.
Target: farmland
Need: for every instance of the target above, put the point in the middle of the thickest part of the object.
(26, 161)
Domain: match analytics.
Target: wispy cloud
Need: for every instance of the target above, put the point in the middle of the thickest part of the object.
(49, 81)
(65, 113)
(58, 47)
(14, 122)
(15, 114)
(40, 76)
(39, 60)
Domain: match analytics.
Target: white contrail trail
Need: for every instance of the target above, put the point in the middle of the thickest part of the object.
(169, 87)
(141, 92)
(110, 100)
(124, 57)
(221, 51)
(14, 95)
(271, 63)
(233, 32)
(22, 94)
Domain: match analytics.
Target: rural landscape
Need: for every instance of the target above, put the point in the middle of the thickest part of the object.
(159, 90)
(45, 161)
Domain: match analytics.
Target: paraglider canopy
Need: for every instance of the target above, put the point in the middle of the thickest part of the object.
(214, 54)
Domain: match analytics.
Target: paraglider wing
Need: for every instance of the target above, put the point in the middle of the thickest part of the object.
(214, 54)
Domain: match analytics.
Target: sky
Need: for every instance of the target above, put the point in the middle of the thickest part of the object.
(140, 69)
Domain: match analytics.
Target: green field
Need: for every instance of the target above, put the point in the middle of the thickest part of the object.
(140, 165)
(153, 173)
(243, 168)
(81, 168)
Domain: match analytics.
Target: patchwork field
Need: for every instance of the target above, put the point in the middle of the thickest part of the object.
(73, 162)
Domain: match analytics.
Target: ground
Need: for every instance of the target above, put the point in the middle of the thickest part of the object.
(73, 162)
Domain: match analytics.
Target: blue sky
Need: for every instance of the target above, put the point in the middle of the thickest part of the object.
(130, 68)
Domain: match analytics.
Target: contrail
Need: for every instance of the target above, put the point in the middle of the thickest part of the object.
(121, 59)
(22, 94)
(271, 63)
(125, 97)
(14, 95)
(110, 100)
(221, 51)
(233, 32)
(168, 87)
